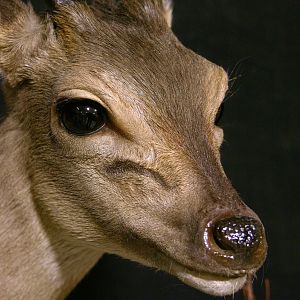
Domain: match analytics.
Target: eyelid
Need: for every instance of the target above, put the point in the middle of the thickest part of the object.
(80, 94)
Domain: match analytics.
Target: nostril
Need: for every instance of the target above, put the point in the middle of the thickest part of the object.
(237, 234)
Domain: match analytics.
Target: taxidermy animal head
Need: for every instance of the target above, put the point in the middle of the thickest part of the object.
(111, 145)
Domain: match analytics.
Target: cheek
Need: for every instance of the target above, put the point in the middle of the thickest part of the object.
(218, 135)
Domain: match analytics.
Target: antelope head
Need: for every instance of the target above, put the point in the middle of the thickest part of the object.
(123, 146)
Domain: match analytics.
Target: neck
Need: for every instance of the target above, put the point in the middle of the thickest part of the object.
(36, 262)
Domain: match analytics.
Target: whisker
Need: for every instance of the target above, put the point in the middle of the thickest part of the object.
(234, 77)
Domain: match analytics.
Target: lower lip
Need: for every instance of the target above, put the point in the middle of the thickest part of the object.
(212, 286)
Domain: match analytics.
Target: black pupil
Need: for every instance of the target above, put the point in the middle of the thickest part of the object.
(81, 117)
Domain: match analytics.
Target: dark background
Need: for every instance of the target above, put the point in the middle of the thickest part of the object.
(257, 42)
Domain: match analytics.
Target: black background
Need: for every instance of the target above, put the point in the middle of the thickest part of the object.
(257, 42)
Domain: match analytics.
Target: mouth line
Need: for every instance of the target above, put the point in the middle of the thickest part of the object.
(232, 274)
(208, 275)
(210, 283)
(224, 283)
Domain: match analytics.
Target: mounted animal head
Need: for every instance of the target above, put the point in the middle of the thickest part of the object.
(122, 146)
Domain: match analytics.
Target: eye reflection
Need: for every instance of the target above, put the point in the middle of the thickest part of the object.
(81, 116)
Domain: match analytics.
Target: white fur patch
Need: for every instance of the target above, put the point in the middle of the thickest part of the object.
(213, 286)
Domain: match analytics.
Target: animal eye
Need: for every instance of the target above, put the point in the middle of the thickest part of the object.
(81, 116)
(219, 114)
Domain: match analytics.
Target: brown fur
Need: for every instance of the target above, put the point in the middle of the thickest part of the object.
(146, 186)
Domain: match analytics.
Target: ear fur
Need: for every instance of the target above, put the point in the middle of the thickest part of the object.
(168, 11)
(21, 33)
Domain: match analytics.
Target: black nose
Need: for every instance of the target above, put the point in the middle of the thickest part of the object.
(238, 234)
(237, 242)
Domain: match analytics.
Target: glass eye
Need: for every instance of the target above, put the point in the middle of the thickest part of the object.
(81, 116)
(219, 114)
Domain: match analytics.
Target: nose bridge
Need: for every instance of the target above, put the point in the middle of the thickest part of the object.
(218, 220)
(199, 180)
(208, 172)
(205, 192)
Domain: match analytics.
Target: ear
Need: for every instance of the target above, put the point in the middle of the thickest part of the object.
(21, 34)
(168, 11)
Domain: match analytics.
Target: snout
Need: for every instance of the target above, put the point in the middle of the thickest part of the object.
(236, 247)
(236, 242)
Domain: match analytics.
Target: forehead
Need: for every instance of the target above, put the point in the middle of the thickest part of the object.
(149, 67)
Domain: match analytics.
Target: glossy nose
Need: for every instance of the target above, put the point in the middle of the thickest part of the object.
(237, 242)
(238, 234)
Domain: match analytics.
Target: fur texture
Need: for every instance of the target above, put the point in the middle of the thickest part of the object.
(146, 186)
